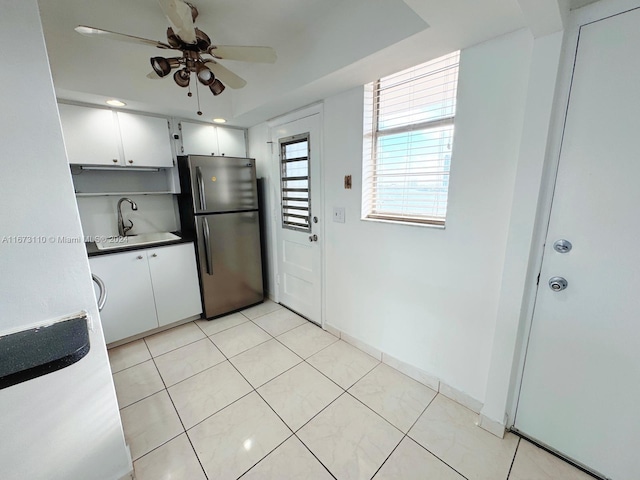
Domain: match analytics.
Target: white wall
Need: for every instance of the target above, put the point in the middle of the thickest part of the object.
(522, 264)
(427, 296)
(423, 295)
(66, 424)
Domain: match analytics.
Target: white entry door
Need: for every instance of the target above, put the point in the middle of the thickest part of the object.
(581, 384)
(296, 149)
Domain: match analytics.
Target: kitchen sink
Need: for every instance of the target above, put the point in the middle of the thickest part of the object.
(112, 243)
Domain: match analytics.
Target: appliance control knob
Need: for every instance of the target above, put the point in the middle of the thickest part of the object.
(139, 257)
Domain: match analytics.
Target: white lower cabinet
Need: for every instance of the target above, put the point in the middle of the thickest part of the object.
(147, 289)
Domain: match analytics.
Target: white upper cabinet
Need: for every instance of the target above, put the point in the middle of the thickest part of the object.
(231, 142)
(145, 140)
(97, 136)
(90, 135)
(199, 139)
(204, 139)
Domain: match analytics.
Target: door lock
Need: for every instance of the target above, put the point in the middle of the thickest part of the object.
(562, 246)
(557, 284)
(313, 238)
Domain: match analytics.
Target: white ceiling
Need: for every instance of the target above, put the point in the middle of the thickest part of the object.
(324, 46)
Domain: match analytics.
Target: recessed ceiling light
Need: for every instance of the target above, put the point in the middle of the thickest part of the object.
(115, 103)
(219, 120)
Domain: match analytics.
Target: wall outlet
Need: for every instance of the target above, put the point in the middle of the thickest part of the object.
(338, 214)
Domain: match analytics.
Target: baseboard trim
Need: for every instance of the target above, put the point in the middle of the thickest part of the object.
(492, 426)
(414, 372)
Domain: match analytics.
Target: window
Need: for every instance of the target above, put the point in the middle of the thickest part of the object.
(294, 177)
(408, 126)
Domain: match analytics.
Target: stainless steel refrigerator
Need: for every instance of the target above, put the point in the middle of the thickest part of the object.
(219, 209)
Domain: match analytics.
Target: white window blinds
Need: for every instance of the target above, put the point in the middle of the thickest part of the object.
(409, 123)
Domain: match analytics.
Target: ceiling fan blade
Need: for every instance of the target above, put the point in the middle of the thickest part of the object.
(225, 75)
(181, 19)
(242, 53)
(97, 32)
(153, 75)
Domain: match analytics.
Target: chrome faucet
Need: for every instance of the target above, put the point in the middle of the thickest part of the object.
(122, 228)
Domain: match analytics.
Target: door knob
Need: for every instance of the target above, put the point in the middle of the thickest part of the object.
(313, 238)
(557, 284)
(562, 246)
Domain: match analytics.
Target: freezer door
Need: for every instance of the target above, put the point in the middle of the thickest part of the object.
(230, 262)
(223, 184)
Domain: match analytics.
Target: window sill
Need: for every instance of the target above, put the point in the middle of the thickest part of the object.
(401, 222)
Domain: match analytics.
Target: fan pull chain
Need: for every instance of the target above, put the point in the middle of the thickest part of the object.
(199, 112)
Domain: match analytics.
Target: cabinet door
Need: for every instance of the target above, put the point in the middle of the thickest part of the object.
(199, 139)
(231, 142)
(90, 135)
(130, 307)
(145, 140)
(175, 282)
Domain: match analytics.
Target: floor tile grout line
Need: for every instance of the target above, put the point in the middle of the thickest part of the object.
(219, 410)
(315, 353)
(388, 456)
(281, 333)
(363, 376)
(169, 330)
(279, 375)
(318, 413)
(279, 308)
(262, 398)
(202, 320)
(422, 446)
(513, 460)
(263, 458)
(314, 455)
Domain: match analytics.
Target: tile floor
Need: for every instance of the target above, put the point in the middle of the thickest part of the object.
(264, 394)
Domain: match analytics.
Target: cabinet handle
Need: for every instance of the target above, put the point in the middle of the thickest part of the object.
(115, 160)
(139, 257)
(130, 161)
(154, 255)
(103, 291)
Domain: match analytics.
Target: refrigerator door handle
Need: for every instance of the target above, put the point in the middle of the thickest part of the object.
(203, 200)
(207, 248)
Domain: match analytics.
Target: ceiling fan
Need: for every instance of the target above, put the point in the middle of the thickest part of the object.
(193, 43)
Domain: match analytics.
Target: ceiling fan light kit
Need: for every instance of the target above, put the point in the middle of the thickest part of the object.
(182, 77)
(193, 43)
(217, 87)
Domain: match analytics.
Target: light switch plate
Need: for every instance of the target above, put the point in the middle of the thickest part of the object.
(338, 214)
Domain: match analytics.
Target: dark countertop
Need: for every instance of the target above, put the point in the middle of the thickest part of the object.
(92, 249)
(31, 353)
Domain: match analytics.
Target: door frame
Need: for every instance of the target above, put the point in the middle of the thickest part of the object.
(576, 20)
(276, 211)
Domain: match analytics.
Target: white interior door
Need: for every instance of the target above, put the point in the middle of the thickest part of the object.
(296, 149)
(581, 381)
